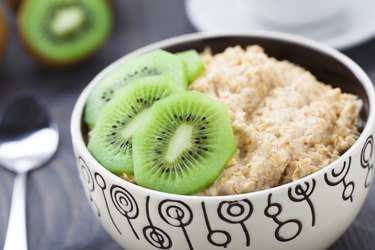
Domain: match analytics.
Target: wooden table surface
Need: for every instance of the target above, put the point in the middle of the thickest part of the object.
(58, 215)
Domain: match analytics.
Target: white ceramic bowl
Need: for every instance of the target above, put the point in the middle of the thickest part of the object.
(310, 213)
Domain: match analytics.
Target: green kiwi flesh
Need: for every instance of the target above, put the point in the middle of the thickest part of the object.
(183, 145)
(158, 62)
(63, 32)
(111, 140)
(193, 63)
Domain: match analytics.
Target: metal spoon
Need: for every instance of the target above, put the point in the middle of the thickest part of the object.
(28, 139)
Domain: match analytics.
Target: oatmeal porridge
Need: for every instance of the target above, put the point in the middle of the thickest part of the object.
(287, 124)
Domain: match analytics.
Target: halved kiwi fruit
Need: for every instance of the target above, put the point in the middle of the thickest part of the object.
(158, 62)
(183, 145)
(64, 32)
(3, 34)
(193, 63)
(111, 139)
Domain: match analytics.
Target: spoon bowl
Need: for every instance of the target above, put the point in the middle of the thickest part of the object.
(28, 139)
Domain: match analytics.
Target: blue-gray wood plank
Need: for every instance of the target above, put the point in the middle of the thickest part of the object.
(59, 217)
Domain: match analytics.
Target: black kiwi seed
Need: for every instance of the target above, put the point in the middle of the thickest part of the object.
(107, 96)
(145, 71)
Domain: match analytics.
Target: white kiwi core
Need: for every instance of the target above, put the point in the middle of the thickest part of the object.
(180, 141)
(67, 21)
(133, 125)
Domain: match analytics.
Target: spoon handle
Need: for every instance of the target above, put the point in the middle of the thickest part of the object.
(16, 237)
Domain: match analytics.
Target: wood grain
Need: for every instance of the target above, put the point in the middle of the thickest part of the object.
(59, 217)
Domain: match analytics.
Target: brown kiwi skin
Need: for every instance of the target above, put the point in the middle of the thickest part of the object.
(43, 61)
(13, 4)
(3, 34)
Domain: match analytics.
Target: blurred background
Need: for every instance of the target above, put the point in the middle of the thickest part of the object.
(58, 215)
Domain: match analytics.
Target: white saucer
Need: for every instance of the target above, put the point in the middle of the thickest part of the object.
(351, 28)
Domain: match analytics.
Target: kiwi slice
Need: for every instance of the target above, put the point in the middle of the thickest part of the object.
(64, 32)
(184, 144)
(193, 63)
(158, 62)
(3, 34)
(111, 140)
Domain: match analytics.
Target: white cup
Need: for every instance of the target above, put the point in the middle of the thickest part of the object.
(297, 12)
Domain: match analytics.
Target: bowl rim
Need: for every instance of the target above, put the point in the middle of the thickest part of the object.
(76, 118)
